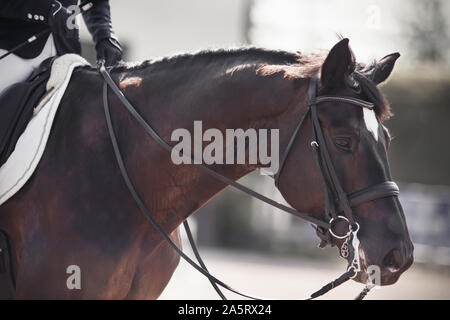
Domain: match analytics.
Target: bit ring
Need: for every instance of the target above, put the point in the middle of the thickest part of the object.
(349, 227)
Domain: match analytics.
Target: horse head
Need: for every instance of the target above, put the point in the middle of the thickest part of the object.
(357, 143)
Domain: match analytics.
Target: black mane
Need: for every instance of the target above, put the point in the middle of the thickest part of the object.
(241, 55)
(293, 64)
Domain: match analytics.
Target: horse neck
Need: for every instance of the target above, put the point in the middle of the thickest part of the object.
(242, 99)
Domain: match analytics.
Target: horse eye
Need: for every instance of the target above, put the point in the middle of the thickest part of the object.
(343, 143)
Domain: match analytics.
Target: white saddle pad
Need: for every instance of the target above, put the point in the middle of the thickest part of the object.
(21, 164)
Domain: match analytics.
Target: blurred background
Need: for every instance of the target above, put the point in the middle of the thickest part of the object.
(257, 248)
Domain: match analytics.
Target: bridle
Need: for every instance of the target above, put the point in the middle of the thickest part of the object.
(336, 200)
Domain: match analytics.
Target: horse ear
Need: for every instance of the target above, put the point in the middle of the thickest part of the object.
(339, 63)
(384, 68)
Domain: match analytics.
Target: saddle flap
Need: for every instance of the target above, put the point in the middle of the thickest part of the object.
(16, 107)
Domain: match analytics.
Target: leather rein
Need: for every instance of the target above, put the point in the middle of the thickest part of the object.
(336, 200)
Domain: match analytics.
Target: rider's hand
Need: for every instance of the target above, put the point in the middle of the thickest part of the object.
(61, 21)
(109, 50)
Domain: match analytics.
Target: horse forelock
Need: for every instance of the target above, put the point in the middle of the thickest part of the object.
(382, 107)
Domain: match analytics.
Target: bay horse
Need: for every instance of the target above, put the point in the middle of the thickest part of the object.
(76, 209)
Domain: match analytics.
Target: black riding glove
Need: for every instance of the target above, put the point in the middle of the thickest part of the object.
(109, 50)
(62, 21)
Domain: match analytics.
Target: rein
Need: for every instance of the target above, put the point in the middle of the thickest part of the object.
(336, 200)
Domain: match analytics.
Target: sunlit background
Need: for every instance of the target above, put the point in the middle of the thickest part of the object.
(257, 248)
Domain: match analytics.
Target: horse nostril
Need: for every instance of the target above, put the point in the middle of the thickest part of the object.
(393, 261)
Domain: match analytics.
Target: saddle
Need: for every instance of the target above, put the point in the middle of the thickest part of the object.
(17, 104)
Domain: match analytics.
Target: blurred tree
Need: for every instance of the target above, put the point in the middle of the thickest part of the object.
(429, 31)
